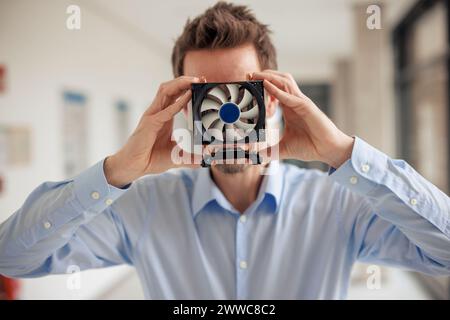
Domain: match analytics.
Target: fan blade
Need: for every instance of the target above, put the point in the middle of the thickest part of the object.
(231, 134)
(209, 104)
(244, 126)
(250, 114)
(219, 94)
(216, 130)
(209, 119)
(234, 92)
(246, 99)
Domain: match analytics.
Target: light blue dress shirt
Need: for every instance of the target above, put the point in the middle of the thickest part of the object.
(298, 240)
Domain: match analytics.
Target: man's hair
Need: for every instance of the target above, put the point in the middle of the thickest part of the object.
(222, 26)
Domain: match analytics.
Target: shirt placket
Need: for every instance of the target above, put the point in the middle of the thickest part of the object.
(242, 263)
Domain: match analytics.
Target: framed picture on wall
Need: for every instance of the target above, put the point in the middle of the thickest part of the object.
(2, 78)
(75, 135)
(122, 115)
(15, 145)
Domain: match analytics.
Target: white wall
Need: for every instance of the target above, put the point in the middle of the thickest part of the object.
(105, 61)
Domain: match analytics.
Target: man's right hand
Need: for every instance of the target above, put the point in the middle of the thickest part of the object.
(149, 148)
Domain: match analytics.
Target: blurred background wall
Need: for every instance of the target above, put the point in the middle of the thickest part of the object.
(106, 73)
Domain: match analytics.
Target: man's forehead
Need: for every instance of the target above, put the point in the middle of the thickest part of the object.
(222, 65)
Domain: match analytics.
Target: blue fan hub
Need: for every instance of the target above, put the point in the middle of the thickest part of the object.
(229, 112)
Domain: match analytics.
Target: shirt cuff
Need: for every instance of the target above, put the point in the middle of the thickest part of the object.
(93, 191)
(364, 171)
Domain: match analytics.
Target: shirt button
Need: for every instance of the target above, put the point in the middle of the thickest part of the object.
(413, 201)
(353, 180)
(243, 218)
(109, 202)
(365, 168)
(47, 225)
(95, 195)
(243, 264)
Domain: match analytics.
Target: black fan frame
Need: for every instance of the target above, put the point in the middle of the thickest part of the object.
(199, 92)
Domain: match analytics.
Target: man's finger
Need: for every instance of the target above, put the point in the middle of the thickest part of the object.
(274, 78)
(170, 111)
(169, 91)
(278, 73)
(285, 98)
(284, 81)
(179, 85)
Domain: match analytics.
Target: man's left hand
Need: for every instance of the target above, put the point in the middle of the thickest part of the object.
(308, 133)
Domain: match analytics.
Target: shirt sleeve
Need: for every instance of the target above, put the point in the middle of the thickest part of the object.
(392, 215)
(62, 224)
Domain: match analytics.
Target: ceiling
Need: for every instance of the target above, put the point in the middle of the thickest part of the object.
(309, 34)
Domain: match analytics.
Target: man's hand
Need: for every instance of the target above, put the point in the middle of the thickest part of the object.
(149, 148)
(308, 134)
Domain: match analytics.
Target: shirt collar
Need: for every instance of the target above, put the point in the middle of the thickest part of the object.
(206, 191)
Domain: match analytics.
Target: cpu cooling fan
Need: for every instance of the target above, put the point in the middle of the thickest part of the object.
(228, 113)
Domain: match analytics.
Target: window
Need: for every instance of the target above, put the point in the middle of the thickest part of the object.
(422, 61)
(422, 69)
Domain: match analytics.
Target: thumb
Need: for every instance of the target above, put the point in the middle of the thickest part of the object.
(169, 112)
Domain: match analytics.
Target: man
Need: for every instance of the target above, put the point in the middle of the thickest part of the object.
(230, 232)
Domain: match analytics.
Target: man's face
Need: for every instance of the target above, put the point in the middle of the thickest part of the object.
(223, 65)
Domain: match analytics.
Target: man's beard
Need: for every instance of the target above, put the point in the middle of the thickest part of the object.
(232, 168)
